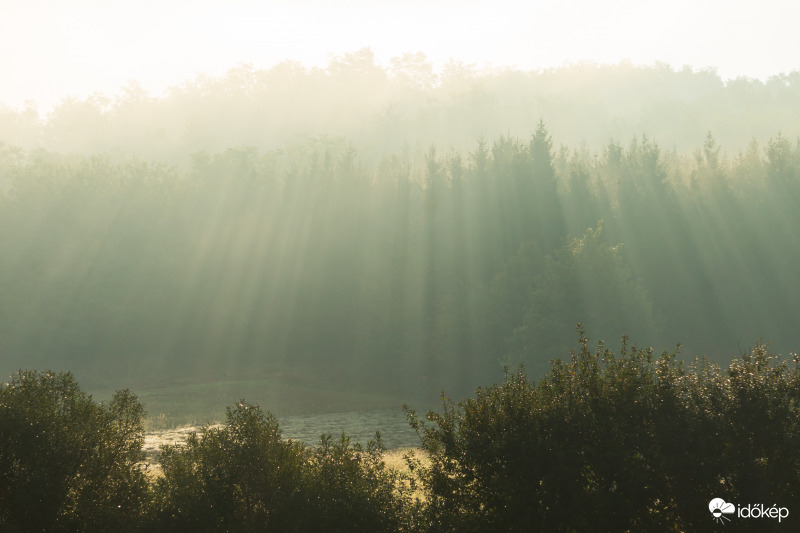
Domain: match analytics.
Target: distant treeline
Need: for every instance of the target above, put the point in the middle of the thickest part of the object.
(383, 107)
(443, 264)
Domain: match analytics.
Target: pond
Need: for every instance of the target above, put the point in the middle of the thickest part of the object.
(360, 426)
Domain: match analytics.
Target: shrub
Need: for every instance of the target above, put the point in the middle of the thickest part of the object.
(239, 477)
(614, 442)
(351, 489)
(68, 463)
(245, 477)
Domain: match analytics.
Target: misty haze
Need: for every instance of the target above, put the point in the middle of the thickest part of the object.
(585, 275)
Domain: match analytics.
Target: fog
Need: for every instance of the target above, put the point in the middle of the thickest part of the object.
(374, 235)
(51, 51)
(204, 202)
(408, 105)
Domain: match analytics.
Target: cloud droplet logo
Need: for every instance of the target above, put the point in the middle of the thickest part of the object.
(719, 508)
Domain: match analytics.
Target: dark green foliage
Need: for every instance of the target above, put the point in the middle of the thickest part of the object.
(245, 477)
(614, 442)
(240, 477)
(535, 297)
(351, 489)
(66, 462)
(605, 442)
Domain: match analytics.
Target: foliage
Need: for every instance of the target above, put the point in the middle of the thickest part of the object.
(605, 442)
(429, 262)
(614, 442)
(585, 278)
(245, 477)
(383, 107)
(68, 463)
(352, 489)
(231, 478)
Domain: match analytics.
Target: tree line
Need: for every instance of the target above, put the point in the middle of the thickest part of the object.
(428, 263)
(409, 102)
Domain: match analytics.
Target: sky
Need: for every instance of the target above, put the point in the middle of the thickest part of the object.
(50, 49)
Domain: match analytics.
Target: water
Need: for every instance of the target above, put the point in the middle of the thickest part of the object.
(360, 426)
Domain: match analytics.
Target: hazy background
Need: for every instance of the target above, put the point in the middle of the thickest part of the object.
(345, 205)
(49, 50)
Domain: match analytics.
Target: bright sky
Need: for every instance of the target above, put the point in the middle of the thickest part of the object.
(51, 48)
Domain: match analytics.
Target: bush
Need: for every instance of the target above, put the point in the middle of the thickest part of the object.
(614, 442)
(351, 489)
(66, 462)
(240, 477)
(605, 442)
(245, 477)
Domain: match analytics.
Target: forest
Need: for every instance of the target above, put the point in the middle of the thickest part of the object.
(424, 266)
(452, 263)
